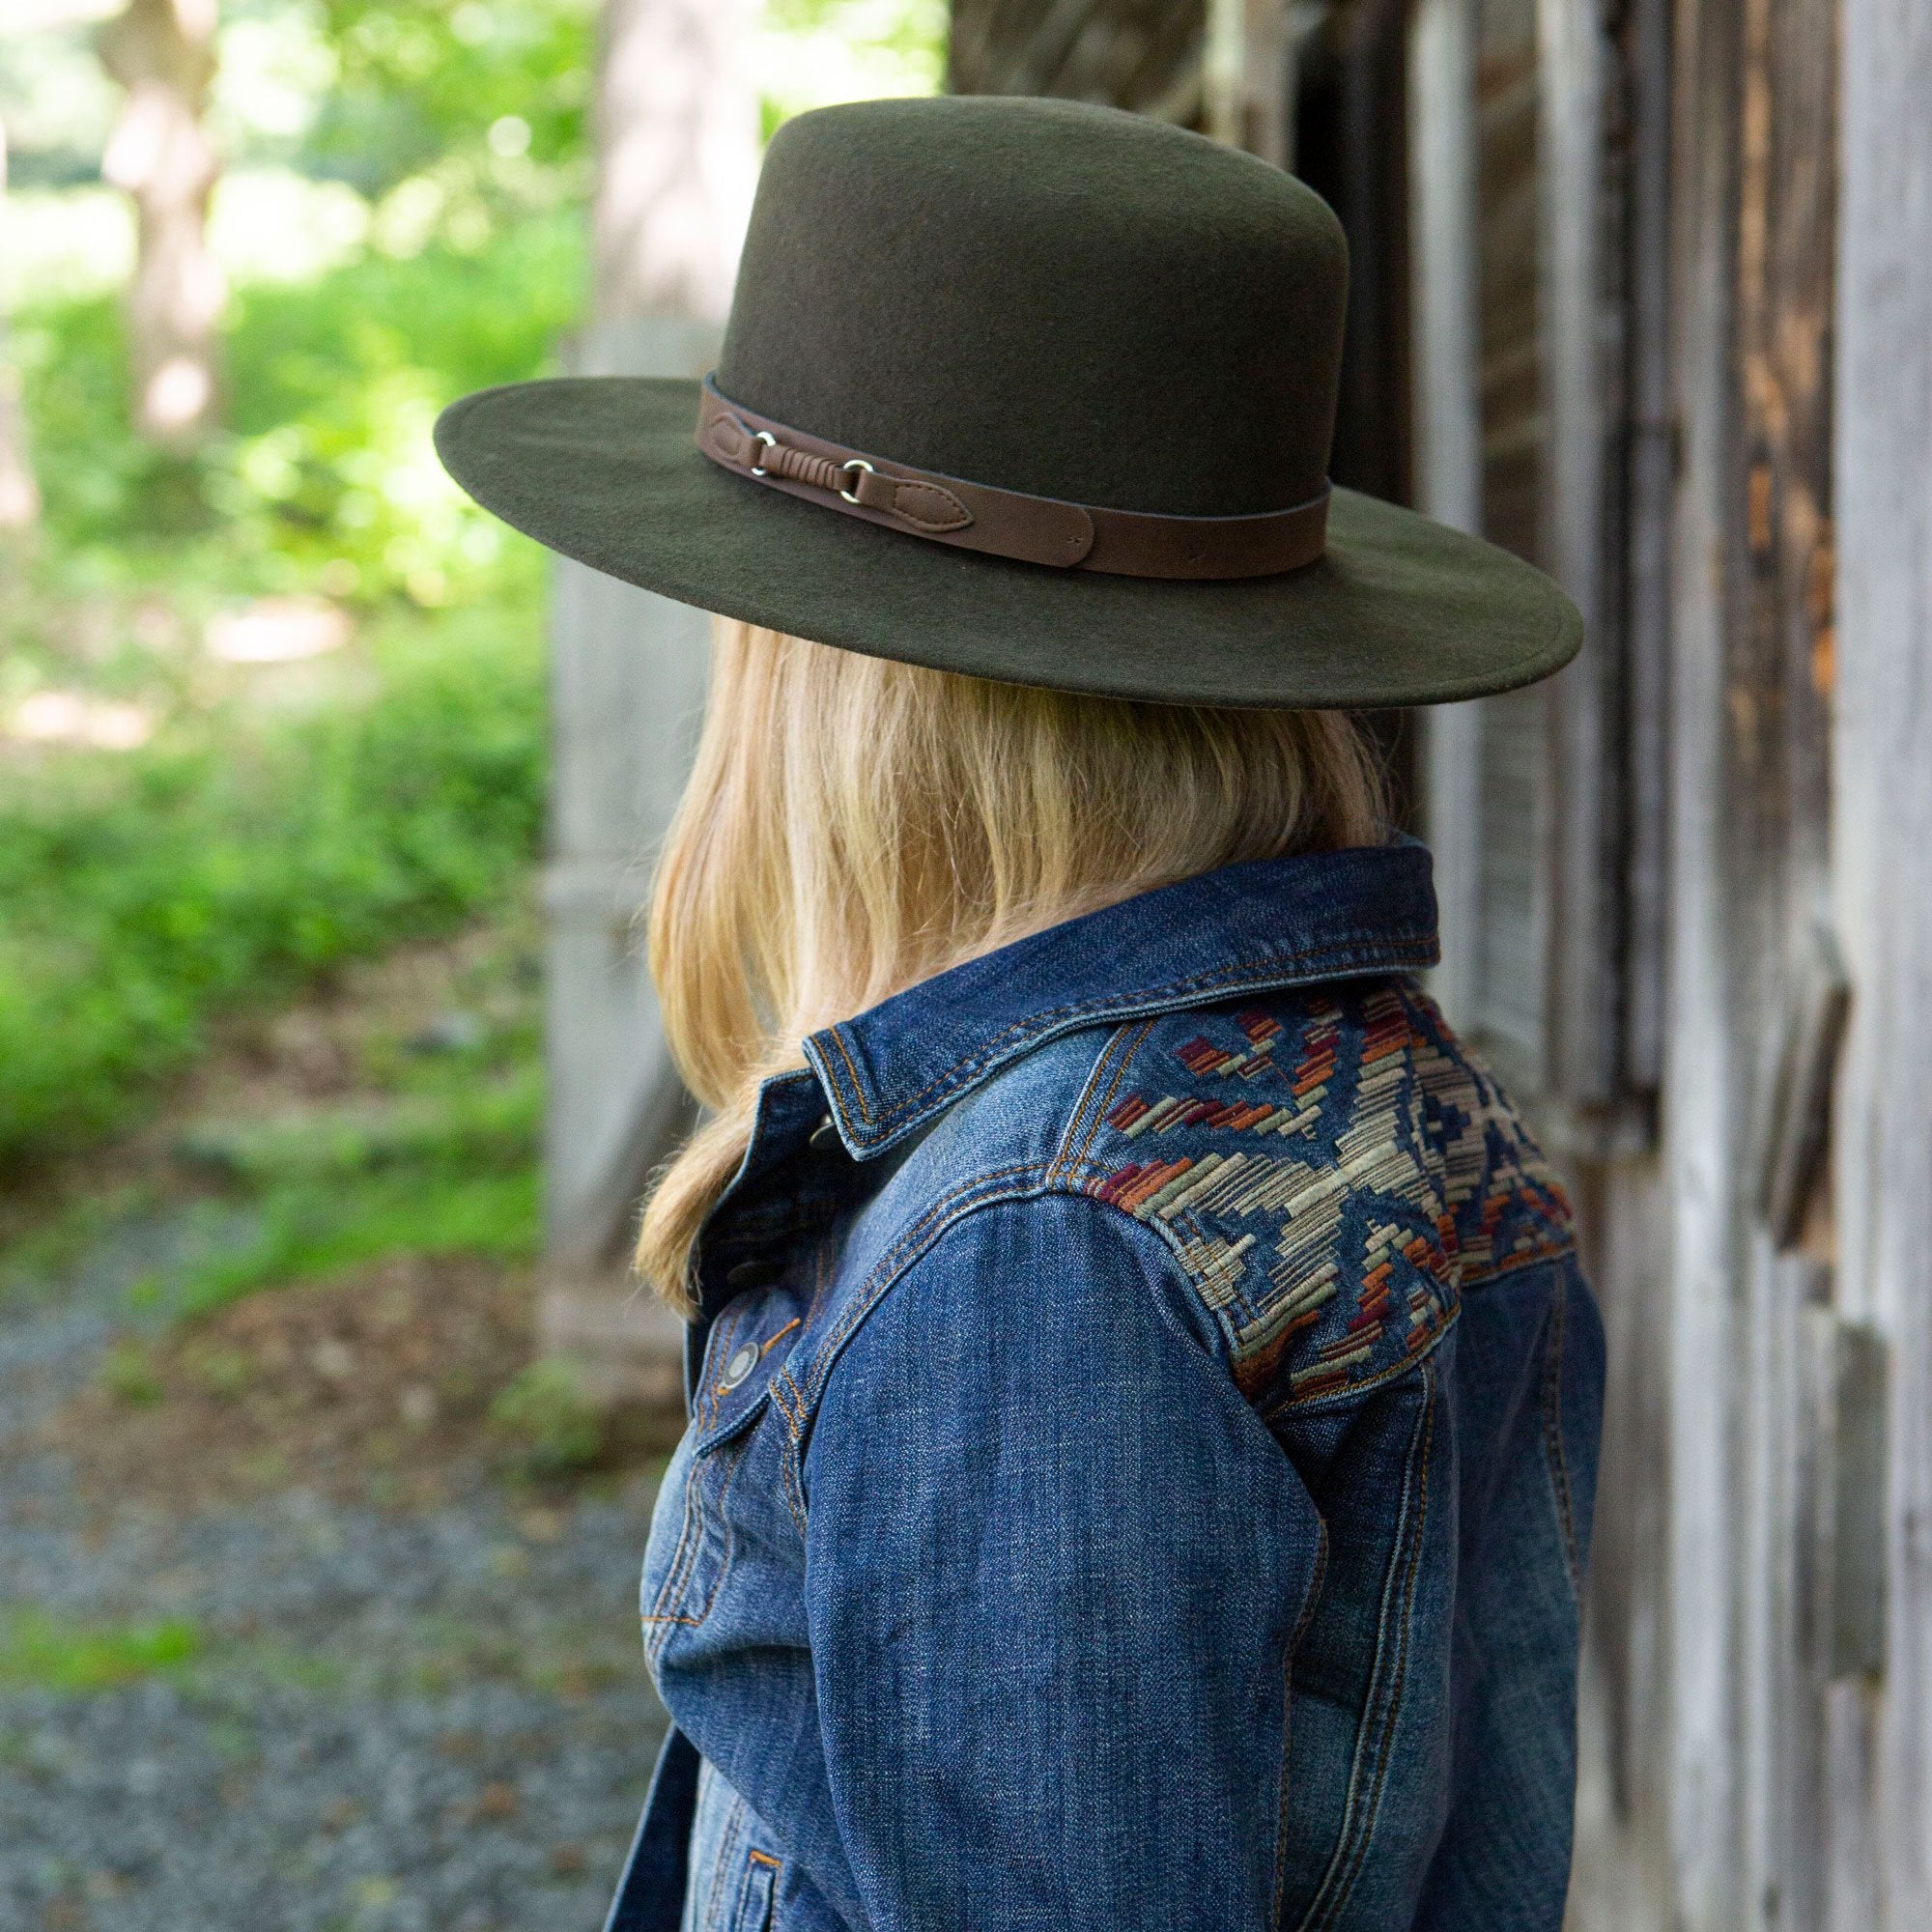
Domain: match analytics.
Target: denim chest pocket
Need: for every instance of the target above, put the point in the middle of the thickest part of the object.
(735, 1399)
(736, 1870)
(756, 1894)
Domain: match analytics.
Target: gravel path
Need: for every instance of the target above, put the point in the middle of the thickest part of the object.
(363, 1718)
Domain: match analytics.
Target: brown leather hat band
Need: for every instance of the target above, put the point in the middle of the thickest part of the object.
(1005, 522)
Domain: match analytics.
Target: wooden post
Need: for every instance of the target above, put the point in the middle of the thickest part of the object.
(1581, 312)
(1477, 382)
(678, 146)
(677, 130)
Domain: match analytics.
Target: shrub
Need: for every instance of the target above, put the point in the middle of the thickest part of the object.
(149, 891)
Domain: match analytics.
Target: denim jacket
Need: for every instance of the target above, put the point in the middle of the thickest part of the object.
(1144, 1411)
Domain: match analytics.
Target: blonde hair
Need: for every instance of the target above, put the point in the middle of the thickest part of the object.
(853, 826)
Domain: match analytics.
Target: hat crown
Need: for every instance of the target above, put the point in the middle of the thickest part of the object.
(1044, 296)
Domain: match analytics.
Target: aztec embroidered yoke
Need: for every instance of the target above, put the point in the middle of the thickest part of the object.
(1144, 1408)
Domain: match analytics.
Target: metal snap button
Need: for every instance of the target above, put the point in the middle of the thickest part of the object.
(824, 1137)
(744, 1359)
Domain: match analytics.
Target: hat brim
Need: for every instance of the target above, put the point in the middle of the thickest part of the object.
(1400, 610)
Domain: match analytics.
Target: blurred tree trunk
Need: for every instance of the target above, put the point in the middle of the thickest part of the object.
(162, 52)
(677, 134)
(20, 495)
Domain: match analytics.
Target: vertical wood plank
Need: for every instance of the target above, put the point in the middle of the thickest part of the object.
(1701, 1070)
(1141, 54)
(1446, 346)
(627, 691)
(1749, 811)
(1787, 204)
(1646, 565)
(678, 122)
(1625, 1881)
(1581, 308)
(1882, 853)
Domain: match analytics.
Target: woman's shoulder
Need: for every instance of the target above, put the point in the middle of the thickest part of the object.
(1326, 1170)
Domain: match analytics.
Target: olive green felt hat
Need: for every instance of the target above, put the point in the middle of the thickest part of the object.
(1035, 391)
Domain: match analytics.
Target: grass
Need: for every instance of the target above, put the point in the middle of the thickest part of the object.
(239, 858)
(429, 1654)
(422, 1140)
(310, 1233)
(41, 1651)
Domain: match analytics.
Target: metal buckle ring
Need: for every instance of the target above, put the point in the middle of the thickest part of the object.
(855, 463)
(770, 441)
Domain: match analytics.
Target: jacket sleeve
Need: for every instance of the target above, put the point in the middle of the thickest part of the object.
(1055, 1565)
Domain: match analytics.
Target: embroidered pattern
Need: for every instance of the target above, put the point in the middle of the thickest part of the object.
(1412, 1181)
(1202, 1057)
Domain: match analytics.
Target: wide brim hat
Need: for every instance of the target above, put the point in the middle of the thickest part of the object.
(1032, 391)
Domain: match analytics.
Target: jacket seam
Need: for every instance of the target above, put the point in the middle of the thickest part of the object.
(1401, 957)
(1511, 1263)
(1360, 1814)
(1552, 1438)
(892, 1262)
(750, 1913)
(1167, 1228)
(1308, 1611)
(938, 1218)
(1395, 1371)
(858, 1085)
(737, 1827)
(1127, 1042)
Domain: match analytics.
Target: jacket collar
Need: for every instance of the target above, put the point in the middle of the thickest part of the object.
(1273, 922)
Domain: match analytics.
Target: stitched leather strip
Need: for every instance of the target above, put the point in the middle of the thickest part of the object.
(1005, 522)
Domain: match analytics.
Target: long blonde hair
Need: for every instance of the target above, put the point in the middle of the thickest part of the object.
(853, 826)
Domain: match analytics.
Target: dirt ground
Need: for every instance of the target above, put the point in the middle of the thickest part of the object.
(375, 1387)
(294, 1630)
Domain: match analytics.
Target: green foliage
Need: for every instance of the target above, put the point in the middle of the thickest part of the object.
(327, 475)
(432, 161)
(552, 1425)
(419, 82)
(46, 1651)
(812, 52)
(149, 891)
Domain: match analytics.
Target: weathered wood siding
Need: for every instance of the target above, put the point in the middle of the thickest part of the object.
(1664, 444)
(1487, 783)
(1708, 1598)
(1141, 54)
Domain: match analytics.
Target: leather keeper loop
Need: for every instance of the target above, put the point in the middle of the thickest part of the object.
(1005, 522)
